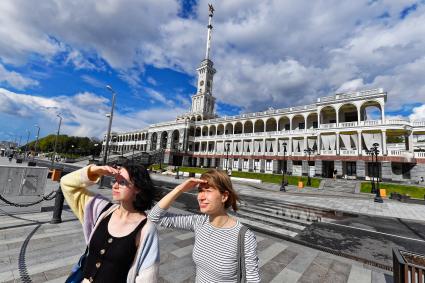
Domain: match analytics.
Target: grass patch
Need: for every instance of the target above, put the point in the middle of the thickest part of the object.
(267, 178)
(412, 191)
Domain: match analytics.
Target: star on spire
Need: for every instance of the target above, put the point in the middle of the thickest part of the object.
(211, 9)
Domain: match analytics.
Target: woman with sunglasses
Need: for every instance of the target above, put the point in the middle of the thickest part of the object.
(216, 232)
(122, 242)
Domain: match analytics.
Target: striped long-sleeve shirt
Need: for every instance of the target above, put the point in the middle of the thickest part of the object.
(215, 249)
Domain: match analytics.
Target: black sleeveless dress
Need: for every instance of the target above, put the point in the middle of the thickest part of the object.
(110, 258)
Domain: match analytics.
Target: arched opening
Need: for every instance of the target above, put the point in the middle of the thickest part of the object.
(198, 132)
(220, 130)
(284, 124)
(154, 140)
(312, 121)
(164, 138)
(199, 118)
(347, 113)
(193, 119)
(213, 130)
(298, 122)
(228, 129)
(327, 115)
(370, 110)
(175, 139)
(238, 128)
(191, 131)
(271, 125)
(248, 127)
(259, 126)
(204, 131)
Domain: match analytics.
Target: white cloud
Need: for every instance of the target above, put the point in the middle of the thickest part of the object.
(15, 79)
(270, 52)
(418, 113)
(83, 114)
(155, 95)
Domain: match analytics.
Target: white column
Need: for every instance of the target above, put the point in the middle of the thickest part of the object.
(359, 143)
(337, 143)
(411, 142)
(264, 146)
(290, 147)
(384, 142)
(319, 144)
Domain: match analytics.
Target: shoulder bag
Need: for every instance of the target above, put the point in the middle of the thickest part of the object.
(241, 255)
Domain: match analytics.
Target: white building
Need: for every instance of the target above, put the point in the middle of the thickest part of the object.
(336, 127)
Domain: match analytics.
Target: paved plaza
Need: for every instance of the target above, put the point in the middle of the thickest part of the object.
(48, 254)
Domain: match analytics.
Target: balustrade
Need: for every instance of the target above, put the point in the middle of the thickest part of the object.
(350, 152)
(328, 125)
(419, 154)
(328, 152)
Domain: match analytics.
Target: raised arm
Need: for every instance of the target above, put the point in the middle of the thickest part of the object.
(74, 186)
(159, 213)
(186, 186)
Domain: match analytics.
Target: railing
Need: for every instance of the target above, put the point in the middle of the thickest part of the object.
(328, 152)
(396, 122)
(328, 126)
(418, 124)
(419, 154)
(298, 153)
(347, 124)
(350, 152)
(396, 152)
(269, 153)
(370, 122)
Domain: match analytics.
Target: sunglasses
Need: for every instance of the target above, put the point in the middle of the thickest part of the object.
(121, 182)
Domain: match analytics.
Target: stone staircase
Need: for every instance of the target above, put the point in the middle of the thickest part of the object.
(276, 217)
(340, 185)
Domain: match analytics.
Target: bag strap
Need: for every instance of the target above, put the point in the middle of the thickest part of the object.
(241, 255)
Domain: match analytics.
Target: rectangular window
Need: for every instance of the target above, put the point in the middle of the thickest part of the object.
(269, 165)
(245, 164)
(256, 165)
(235, 163)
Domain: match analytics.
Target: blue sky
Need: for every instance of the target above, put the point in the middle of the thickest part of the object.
(58, 56)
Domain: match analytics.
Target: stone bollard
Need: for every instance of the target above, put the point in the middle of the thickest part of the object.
(57, 210)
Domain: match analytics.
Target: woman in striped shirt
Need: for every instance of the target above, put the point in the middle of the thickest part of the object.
(216, 232)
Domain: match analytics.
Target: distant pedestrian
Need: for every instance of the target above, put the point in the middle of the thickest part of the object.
(216, 232)
(229, 172)
(335, 173)
(422, 179)
(122, 242)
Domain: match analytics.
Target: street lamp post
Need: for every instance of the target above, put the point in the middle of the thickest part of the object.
(36, 139)
(374, 151)
(282, 186)
(111, 115)
(26, 146)
(227, 156)
(309, 151)
(56, 139)
(177, 160)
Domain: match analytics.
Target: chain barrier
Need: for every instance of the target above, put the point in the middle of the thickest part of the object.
(50, 196)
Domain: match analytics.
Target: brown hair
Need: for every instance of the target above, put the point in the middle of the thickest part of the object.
(221, 181)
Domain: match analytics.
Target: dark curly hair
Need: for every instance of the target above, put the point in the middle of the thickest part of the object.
(139, 176)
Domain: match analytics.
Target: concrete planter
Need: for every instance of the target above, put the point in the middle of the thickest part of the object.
(408, 267)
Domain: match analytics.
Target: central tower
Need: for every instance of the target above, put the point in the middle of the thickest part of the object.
(203, 103)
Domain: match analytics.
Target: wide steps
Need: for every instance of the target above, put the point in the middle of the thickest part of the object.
(270, 220)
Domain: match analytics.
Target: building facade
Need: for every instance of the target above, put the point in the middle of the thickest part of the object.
(337, 129)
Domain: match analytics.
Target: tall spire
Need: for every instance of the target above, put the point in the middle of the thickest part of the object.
(211, 13)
